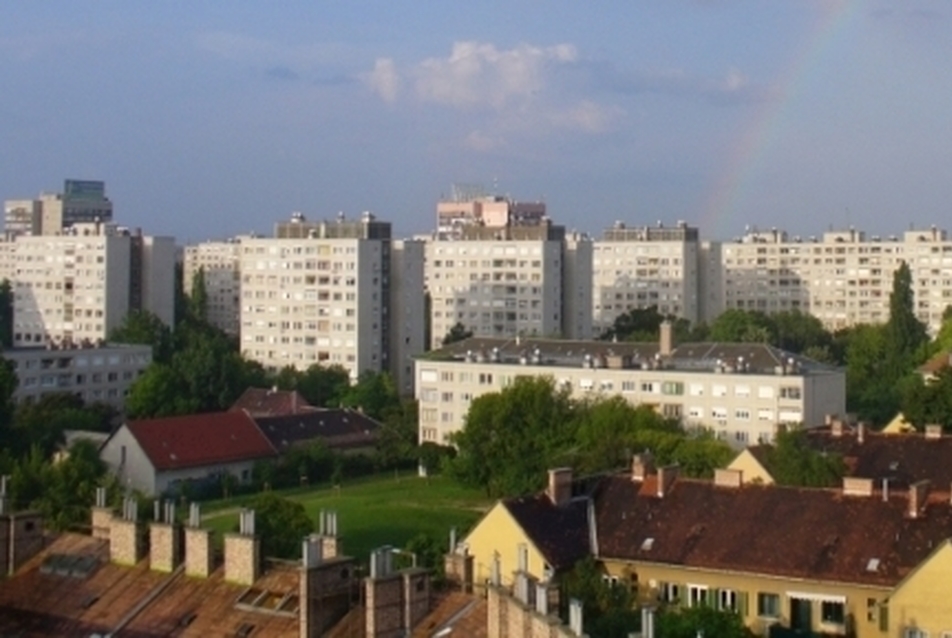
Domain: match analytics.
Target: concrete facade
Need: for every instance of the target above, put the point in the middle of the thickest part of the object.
(219, 262)
(100, 374)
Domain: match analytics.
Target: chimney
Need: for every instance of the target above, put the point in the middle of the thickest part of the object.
(836, 427)
(458, 565)
(666, 341)
(933, 431)
(101, 515)
(575, 616)
(728, 478)
(918, 493)
(853, 486)
(164, 548)
(861, 432)
(325, 588)
(642, 466)
(327, 528)
(125, 545)
(647, 621)
(560, 485)
(25, 538)
(243, 551)
(885, 490)
(667, 475)
(198, 545)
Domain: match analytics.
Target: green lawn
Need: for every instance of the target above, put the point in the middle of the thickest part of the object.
(380, 510)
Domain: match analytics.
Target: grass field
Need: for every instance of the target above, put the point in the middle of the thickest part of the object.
(380, 510)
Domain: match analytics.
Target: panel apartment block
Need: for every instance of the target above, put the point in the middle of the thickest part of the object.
(219, 262)
(642, 266)
(741, 392)
(324, 293)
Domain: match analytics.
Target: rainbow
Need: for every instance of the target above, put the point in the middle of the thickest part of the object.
(748, 154)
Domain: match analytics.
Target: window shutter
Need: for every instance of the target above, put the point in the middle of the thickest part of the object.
(713, 598)
(883, 618)
(742, 604)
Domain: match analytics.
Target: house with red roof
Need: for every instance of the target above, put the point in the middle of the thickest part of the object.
(155, 456)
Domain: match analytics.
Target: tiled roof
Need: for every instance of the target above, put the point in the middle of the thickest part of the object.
(34, 603)
(938, 362)
(200, 439)
(791, 532)
(697, 357)
(903, 459)
(270, 402)
(455, 614)
(559, 532)
(337, 428)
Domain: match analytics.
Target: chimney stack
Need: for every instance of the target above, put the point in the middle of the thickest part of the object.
(198, 545)
(666, 341)
(164, 549)
(101, 515)
(243, 551)
(559, 490)
(458, 565)
(575, 616)
(918, 493)
(853, 486)
(327, 527)
(728, 478)
(647, 622)
(667, 475)
(642, 466)
(836, 427)
(125, 545)
(861, 432)
(933, 431)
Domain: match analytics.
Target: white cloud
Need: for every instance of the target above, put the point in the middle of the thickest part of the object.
(482, 142)
(587, 116)
(479, 74)
(384, 79)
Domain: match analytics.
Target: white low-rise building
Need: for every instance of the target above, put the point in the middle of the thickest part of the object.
(739, 391)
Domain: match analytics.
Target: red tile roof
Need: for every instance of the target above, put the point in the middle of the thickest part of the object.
(270, 402)
(817, 534)
(200, 439)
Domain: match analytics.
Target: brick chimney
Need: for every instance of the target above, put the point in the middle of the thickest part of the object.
(164, 547)
(325, 588)
(125, 542)
(854, 486)
(667, 476)
(642, 466)
(666, 339)
(458, 565)
(243, 551)
(933, 431)
(861, 432)
(24, 539)
(101, 515)
(395, 600)
(836, 427)
(559, 490)
(198, 545)
(918, 493)
(327, 529)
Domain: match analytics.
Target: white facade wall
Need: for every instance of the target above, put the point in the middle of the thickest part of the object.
(742, 409)
(125, 458)
(158, 277)
(843, 278)
(407, 310)
(496, 288)
(220, 264)
(577, 287)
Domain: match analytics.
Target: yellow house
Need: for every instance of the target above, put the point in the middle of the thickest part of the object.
(835, 562)
(549, 529)
(899, 425)
(751, 465)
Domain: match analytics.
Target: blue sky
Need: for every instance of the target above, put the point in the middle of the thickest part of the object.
(208, 119)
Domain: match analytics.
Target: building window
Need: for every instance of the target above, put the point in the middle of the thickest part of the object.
(768, 605)
(669, 593)
(727, 600)
(790, 392)
(697, 595)
(915, 632)
(832, 612)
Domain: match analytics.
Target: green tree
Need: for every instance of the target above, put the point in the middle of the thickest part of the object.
(458, 332)
(905, 334)
(871, 381)
(927, 402)
(198, 298)
(799, 332)
(510, 438)
(143, 327)
(43, 422)
(6, 314)
(8, 385)
(323, 386)
(70, 487)
(705, 620)
(608, 611)
(791, 461)
(644, 325)
(374, 393)
(397, 440)
(281, 524)
(743, 326)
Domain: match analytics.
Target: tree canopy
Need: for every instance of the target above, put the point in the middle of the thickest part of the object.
(929, 402)
(458, 332)
(281, 524)
(791, 461)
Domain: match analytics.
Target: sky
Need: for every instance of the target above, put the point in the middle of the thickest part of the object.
(211, 119)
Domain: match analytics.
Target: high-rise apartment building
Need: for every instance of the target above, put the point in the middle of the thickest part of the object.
(335, 292)
(636, 267)
(842, 277)
(21, 217)
(78, 286)
(510, 280)
(219, 263)
(473, 206)
(81, 202)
